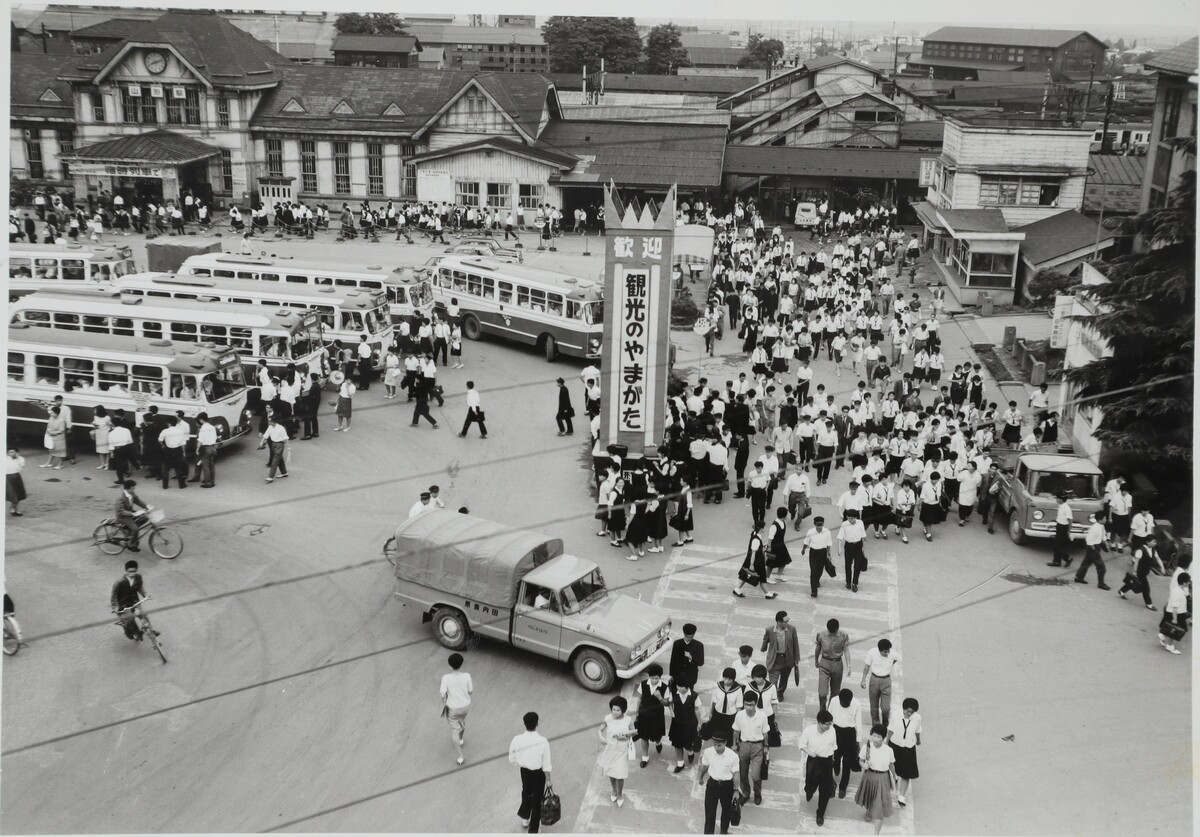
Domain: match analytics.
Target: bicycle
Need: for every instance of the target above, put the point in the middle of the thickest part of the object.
(143, 624)
(112, 537)
(12, 636)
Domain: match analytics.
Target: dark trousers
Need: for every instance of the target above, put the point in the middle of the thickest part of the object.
(1062, 544)
(310, 424)
(824, 462)
(119, 462)
(987, 511)
(1092, 556)
(715, 792)
(474, 417)
(816, 567)
(758, 506)
(853, 554)
(440, 345)
(277, 459)
(1143, 576)
(844, 756)
(173, 459)
(841, 453)
(421, 410)
(364, 373)
(818, 778)
(779, 676)
(533, 788)
(564, 422)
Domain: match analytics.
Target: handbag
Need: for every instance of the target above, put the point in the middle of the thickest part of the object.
(1171, 629)
(735, 812)
(748, 576)
(633, 755)
(862, 563)
(551, 807)
(1133, 583)
(480, 414)
(48, 442)
(706, 730)
(764, 772)
(830, 568)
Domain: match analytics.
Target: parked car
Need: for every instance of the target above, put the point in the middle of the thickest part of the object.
(482, 245)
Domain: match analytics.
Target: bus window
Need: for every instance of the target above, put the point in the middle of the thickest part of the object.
(593, 313)
(352, 320)
(460, 281)
(73, 270)
(397, 296)
(216, 333)
(327, 318)
(554, 304)
(95, 325)
(67, 321)
(16, 367)
(296, 280)
(20, 268)
(200, 271)
(371, 283)
(152, 330)
(219, 385)
(574, 310)
(147, 379)
(269, 346)
(346, 283)
(269, 277)
(318, 280)
(537, 299)
(46, 269)
(122, 326)
(522, 296)
(79, 373)
(376, 321)
(100, 273)
(224, 274)
(36, 316)
(162, 294)
(489, 287)
(240, 340)
(122, 268)
(113, 377)
(247, 274)
(45, 369)
(505, 292)
(184, 387)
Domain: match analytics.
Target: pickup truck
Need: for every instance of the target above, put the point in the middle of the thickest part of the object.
(468, 576)
(1029, 487)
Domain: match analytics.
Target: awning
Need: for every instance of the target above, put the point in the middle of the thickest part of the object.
(155, 148)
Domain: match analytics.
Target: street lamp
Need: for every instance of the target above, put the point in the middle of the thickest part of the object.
(1103, 196)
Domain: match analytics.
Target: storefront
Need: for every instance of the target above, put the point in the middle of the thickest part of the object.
(156, 166)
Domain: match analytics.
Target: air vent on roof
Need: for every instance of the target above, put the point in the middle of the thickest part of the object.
(49, 96)
(343, 109)
(393, 110)
(294, 107)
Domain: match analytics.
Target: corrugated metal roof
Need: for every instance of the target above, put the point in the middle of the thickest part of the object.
(974, 220)
(402, 44)
(1005, 36)
(715, 56)
(452, 35)
(152, 147)
(1058, 235)
(648, 113)
(640, 154)
(1180, 60)
(903, 164)
(32, 73)
(922, 132)
(1117, 170)
(643, 83)
(1116, 186)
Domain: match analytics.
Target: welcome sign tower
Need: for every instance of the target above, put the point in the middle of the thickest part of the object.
(637, 322)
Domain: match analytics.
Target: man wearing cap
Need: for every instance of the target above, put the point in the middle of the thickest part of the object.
(782, 648)
(421, 506)
(817, 543)
(435, 501)
(819, 743)
(831, 656)
(718, 765)
(852, 535)
(565, 411)
(750, 728)
(687, 656)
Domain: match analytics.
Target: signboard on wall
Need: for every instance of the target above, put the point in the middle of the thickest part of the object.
(434, 186)
(1062, 321)
(928, 175)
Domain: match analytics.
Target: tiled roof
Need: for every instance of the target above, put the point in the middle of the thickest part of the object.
(1058, 235)
(635, 82)
(117, 28)
(442, 35)
(1117, 184)
(1005, 37)
(718, 56)
(419, 93)
(1180, 60)
(543, 153)
(62, 17)
(223, 53)
(402, 44)
(649, 113)
(152, 147)
(32, 73)
(903, 164)
(640, 154)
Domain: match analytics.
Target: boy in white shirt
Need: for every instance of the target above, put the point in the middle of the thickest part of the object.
(456, 690)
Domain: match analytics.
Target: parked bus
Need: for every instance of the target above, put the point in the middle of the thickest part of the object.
(408, 293)
(345, 313)
(279, 337)
(129, 373)
(543, 308)
(38, 267)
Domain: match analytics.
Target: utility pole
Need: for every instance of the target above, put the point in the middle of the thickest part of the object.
(1046, 95)
(1108, 105)
(45, 48)
(1087, 103)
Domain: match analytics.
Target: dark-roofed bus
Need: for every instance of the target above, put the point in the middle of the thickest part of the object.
(46, 267)
(557, 313)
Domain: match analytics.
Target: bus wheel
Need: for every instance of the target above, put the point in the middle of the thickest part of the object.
(551, 349)
(471, 328)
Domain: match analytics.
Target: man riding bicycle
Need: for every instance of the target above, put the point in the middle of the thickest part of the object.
(129, 509)
(10, 616)
(127, 593)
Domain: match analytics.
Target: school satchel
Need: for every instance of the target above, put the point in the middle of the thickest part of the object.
(765, 772)
(735, 813)
(1171, 629)
(1133, 583)
(551, 807)
(862, 563)
(774, 738)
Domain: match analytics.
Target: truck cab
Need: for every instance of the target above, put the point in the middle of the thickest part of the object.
(1029, 488)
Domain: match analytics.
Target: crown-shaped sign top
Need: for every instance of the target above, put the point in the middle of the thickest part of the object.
(634, 216)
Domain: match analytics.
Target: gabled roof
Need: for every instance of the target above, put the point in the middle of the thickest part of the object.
(1116, 185)
(219, 52)
(1060, 235)
(399, 44)
(1006, 37)
(704, 39)
(543, 154)
(1180, 60)
(821, 98)
(815, 65)
(151, 147)
(32, 74)
(642, 154)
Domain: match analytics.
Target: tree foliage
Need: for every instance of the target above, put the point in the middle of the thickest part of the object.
(1049, 283)
(353, 23)
(1146, 313)
(664, 51)
(762, 52)
(578, 42)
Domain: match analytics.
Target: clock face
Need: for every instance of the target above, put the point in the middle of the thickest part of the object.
(156, 62)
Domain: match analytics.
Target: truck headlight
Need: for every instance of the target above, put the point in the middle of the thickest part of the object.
(594, 344)
(1038, 514)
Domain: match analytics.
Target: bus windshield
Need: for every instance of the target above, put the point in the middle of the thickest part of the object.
(222, 384)
(420, 295)
(593, 313)
(371, 321)
(122, 268)
(307, 338)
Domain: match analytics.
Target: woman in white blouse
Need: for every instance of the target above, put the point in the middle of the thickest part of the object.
(879, 775)
(616, 733)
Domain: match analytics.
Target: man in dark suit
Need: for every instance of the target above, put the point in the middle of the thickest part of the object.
(782, 648)
(844, 426)
(127, 593)
(565, 411)
(687, 655)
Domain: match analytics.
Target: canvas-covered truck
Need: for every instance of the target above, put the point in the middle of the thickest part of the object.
(468, 576)
(1029, 487)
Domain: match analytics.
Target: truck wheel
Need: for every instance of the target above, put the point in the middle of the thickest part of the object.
(1015, 533)
(551, 347)
(451, 628)
(594, 670)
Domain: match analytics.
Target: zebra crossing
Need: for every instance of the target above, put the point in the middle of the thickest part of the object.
(695, 587)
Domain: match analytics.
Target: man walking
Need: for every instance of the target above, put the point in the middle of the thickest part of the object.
(531, 752)
(750, 728)
(474, 412)
(364, 363)
(819, 743)
(817, 543)
(565, 411)
(1094, 541)
(831, 656)
(120, 444)
(717, 768)
(989, 491)
(421, 409)
(172, 441)
(879, 663)
(687, 656)
(456, 691)
(276, 437)
(847, 720)
(852, 535)
(782, 648)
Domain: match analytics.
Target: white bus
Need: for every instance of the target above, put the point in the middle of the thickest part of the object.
(279, 337)
(129, 373)
(38, 267)
(345, 313)
(559, 314)
(408, 293)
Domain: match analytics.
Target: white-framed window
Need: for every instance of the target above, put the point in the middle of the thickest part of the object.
(274, 157)
(498, 194)
(531, 195)
(467, 192)
(308, 166)
(1019, 191)
(375, 169)
(222, 112)
(341, 168)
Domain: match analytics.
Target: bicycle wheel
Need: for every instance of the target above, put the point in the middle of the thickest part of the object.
(110, 538)
(11, 644)
(166, 543)
(148, 631)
